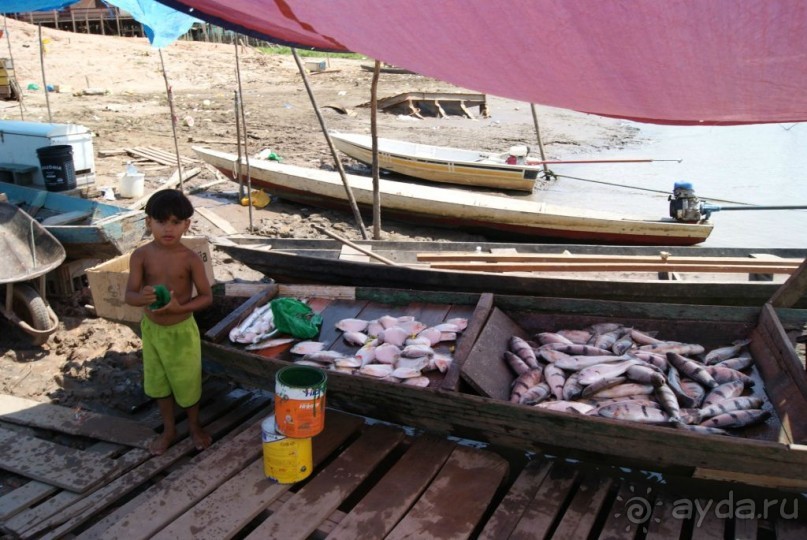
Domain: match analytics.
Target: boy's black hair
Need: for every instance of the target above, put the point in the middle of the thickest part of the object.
(169, 202)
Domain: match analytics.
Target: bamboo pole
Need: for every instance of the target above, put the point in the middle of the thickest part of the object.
(374, 139)
(337, 162)
(237, 168)
(244, 125)
(44, 80)
(173, 121)
(357, 247)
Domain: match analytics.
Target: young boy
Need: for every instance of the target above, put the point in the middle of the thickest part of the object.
(172, 356)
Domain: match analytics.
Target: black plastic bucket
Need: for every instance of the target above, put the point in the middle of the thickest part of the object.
(57, 167)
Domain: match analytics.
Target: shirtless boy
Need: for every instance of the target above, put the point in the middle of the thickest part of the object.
(172, 356)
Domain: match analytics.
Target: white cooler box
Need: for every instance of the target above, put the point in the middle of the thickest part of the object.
(19, 141)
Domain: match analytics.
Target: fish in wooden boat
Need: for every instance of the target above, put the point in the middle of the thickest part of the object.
(524, 382)
(723, 374)
(737, 419)
(352, 325)
(634, 412)
(692, 369)
(738, 362)
(726, 390)
(272, 342)
(724, 353)
(523, 350)
(355, 338)
(307, 347)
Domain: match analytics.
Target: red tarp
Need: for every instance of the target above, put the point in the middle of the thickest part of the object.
(659, 61)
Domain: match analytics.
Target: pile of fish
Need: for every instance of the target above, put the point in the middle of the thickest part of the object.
(617, 372)
(257, 331)
(395, 349)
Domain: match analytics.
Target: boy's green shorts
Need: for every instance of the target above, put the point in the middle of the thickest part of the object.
(172, 361)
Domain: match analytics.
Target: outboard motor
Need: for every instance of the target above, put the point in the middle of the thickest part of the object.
(684, 204)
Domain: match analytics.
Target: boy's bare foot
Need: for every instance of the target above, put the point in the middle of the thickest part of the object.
(201, 439)
(160, 444)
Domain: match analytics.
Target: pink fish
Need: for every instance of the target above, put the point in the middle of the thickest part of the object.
(394, 335)
(352, 325)
(387, 353)
(307, 347)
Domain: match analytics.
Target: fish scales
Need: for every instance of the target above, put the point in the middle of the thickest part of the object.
(691, 369)
(737, 419)
(726, 390)
(523, 350)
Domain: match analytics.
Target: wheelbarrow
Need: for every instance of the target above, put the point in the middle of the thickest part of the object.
(27, 252)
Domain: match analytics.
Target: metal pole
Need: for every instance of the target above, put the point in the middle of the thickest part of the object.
(42, 64)
(337, 162)
(173, 121)
(244, 125)
(374, 138)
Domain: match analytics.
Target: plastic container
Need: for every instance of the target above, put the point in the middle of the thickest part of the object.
(57, 167)
(285, 460)
(131, 183)
(300, 401)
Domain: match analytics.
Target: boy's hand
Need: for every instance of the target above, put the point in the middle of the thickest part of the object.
(148, 294)
(173, 306)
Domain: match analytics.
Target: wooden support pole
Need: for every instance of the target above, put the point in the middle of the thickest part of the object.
(547, 172)
(244, 126)
(44, 79)
(173, 121)
(353, 206)
(355, 246)
(374, 139)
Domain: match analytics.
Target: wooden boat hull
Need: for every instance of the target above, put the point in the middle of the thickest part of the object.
(318, 261)
(773, 454)
(437, 164)
(453, 208)
(107, 230)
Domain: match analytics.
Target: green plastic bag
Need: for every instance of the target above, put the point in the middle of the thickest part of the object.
(294, 317)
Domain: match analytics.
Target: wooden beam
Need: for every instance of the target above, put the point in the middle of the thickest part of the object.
(750, 267)
(792, 289)
(560, 257)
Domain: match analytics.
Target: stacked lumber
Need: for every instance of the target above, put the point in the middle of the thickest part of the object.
(159, 156)
(8, 84)
(534, 262)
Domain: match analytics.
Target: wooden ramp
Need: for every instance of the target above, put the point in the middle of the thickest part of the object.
(375, 480)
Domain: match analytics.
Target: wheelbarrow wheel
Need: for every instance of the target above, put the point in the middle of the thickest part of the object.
(31, 308)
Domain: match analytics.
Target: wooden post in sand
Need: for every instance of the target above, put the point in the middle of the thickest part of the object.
(337, 162)
(173, 121)
(244, 129)
(11, 58)
(44, 80)
(547, 172)
(374, 139)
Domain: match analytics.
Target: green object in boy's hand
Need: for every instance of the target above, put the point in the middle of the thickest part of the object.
(163, 297)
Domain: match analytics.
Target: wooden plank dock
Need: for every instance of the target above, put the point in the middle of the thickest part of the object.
(379, 480)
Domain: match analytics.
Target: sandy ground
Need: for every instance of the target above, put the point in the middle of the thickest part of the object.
(94, 363)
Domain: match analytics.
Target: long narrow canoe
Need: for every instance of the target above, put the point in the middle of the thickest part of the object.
(457, 208)
(439, 163)
(86, 228)
(291, 260)
(472, 398)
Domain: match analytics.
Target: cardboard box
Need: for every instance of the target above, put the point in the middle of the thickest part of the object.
(108, 283)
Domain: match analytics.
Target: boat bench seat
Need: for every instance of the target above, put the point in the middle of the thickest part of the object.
(15, 173)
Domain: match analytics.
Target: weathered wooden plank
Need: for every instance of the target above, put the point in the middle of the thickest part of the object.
(459, 494)
(485, 368)
(61, 466)
(33, 492)
(503, 255)
(656, 515)
(612, 267)
(476, 322)
(324, 493)
(103, 427)
(223, 513)
(509, 511)
(547, 505)
(171, 498)
(87, 508)
(791, 290)
(378, 512)
(618, 523)
(581, 514)
(706, 524)
(216, 220)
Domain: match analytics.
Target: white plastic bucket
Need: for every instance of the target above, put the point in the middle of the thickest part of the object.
(131, 185)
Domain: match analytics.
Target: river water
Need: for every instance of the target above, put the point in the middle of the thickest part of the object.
(763, 165)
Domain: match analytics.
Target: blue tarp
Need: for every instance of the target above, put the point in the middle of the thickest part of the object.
(163, 25)
(24, 6)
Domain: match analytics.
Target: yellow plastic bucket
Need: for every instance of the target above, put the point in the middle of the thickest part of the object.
(300, 401)
(285, 460)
